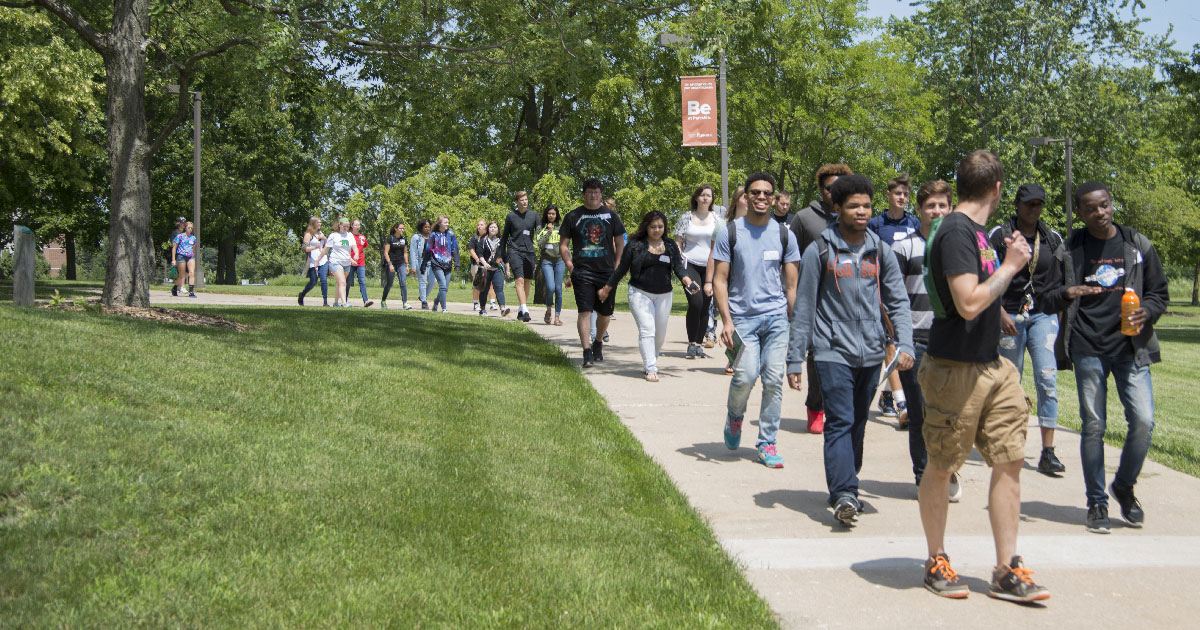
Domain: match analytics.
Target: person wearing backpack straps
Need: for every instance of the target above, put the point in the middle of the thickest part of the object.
(808, 224)
(754, 282)
(1024, 321)
(848, 279)
(1109, 259)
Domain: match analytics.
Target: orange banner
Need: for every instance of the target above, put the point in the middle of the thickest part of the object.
(699, 111)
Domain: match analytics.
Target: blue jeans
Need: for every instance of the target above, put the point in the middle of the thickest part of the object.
(443, 280)
(764, 352)
(552, 273)
(1037, 334)
(322, 273)
(916, 414)
(400, 275)
(361, 272)
(423, 281)
(1137, 396)
(847, 392)
(495, 279)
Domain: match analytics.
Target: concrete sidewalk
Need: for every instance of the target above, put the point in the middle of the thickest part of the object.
(813, 572)
(816, 573)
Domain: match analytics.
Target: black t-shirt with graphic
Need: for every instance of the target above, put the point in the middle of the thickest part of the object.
(591, 233)
(961, 246)
(396, 246)
(1096, 330)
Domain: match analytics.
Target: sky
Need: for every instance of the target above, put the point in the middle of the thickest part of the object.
(1184, 15)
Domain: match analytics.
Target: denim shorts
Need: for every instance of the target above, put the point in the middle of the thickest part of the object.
(180, 258)
(334, 267)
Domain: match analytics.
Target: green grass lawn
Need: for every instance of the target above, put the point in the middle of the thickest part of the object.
(1176, 441)
(362, 468)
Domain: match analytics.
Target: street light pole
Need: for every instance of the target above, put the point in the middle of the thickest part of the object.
(1069, 207)
(174, 89)
(666, 40)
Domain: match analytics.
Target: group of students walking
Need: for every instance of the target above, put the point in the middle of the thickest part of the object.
(947, 305)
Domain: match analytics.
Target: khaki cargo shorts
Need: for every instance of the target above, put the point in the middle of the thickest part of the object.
(973, 404)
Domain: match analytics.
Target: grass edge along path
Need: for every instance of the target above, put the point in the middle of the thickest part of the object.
(333, 469)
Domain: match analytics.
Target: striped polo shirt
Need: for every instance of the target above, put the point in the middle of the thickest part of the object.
(910, 252)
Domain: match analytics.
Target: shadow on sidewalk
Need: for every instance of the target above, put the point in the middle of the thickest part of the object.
(904, 574)
(1042, 511)
(900, 490)
(811, 503)
(716, 453)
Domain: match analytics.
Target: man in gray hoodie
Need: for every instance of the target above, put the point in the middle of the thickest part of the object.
(848, 279)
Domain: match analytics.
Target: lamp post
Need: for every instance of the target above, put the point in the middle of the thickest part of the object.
(1041, 142)
(667, 40)
(174, 89)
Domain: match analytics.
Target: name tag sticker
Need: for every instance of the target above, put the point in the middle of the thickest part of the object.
(900, 236)
(664, 258)
(525, 232)
(770, 255)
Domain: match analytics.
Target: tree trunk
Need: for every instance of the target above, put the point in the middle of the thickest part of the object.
(1196, 287)
(227, 261)
(130, 252)
(69, 248)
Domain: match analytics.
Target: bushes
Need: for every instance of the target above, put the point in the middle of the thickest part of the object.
(41, 267)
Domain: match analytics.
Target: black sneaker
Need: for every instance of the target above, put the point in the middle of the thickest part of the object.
(846, 510)
(941, 580)
(1013, 583)
(1049, 464)
(174, 291)
(1097, 519)
(1131, 509)
(886, 408)
(598, 350)
(588, 360)
(300, 300)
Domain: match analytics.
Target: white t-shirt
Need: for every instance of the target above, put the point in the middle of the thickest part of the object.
(697, 240)
(315, 257)
(340, 245)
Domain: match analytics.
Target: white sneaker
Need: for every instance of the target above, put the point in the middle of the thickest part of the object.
(956, 490)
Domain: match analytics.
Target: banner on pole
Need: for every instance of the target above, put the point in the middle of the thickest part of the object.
(699, 111)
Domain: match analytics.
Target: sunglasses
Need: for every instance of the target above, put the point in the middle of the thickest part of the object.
(760, 193)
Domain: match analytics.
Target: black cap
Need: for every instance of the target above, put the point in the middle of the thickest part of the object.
(1030, 192)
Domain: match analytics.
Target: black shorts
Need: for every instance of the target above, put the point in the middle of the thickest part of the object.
(521, 264)
(587, 301)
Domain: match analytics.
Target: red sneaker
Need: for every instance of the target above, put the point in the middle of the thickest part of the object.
(816, 421)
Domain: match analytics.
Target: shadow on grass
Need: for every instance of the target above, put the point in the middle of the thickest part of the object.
(1178, 335)
(45, 291)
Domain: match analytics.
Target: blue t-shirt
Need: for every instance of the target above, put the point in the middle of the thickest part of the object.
(755, 283)
(892, 231)
(184, 244)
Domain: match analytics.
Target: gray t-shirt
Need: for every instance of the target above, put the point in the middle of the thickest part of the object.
(755, 282)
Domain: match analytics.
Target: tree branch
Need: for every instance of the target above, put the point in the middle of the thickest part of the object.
(73, 19)
(185, 79)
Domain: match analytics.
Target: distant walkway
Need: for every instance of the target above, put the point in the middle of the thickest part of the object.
(815, 573)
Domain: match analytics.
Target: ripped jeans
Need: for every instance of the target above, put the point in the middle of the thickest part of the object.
(1037, 334)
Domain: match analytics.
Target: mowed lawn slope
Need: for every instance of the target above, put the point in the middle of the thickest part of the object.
(332, 469)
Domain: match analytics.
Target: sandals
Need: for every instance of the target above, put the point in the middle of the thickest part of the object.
(557, 322)
(729, 370)
(547, 318)
(652, 377)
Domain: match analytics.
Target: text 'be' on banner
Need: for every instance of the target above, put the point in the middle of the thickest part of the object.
(699, 111)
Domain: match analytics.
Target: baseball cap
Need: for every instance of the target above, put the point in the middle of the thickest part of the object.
(1030, 192)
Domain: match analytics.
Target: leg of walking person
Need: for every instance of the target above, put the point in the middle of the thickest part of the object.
(1040, 337)
(497, 286)
(323, 273)
(312, 282)
(641, 304)
(865, 379)
(443, 280)
(662, 316)
(339, 294)
(773, 335)
(696, 317)
(547, 267)
(745, 372)
(423, 287)
(837, 390)
(361, 272)
(191, 271)
(402, 276)
(560, 269)
(916, 414)
(1136, 392)
(388, 277)
(1091, 383)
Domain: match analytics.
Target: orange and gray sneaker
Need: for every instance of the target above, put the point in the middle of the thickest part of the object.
(940, 579)
(1013, 583)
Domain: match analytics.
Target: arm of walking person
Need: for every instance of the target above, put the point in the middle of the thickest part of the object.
(387, 247)
(174, 250)
(678, 267)
(804, 310)
(894, 297)
(1155, 298)
(618, 273)
(709, 270)
(504, 234)
(972, 297)
(564, 251)
(721, 297)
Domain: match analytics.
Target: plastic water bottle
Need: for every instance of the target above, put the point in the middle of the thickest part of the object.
(1129, 304)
